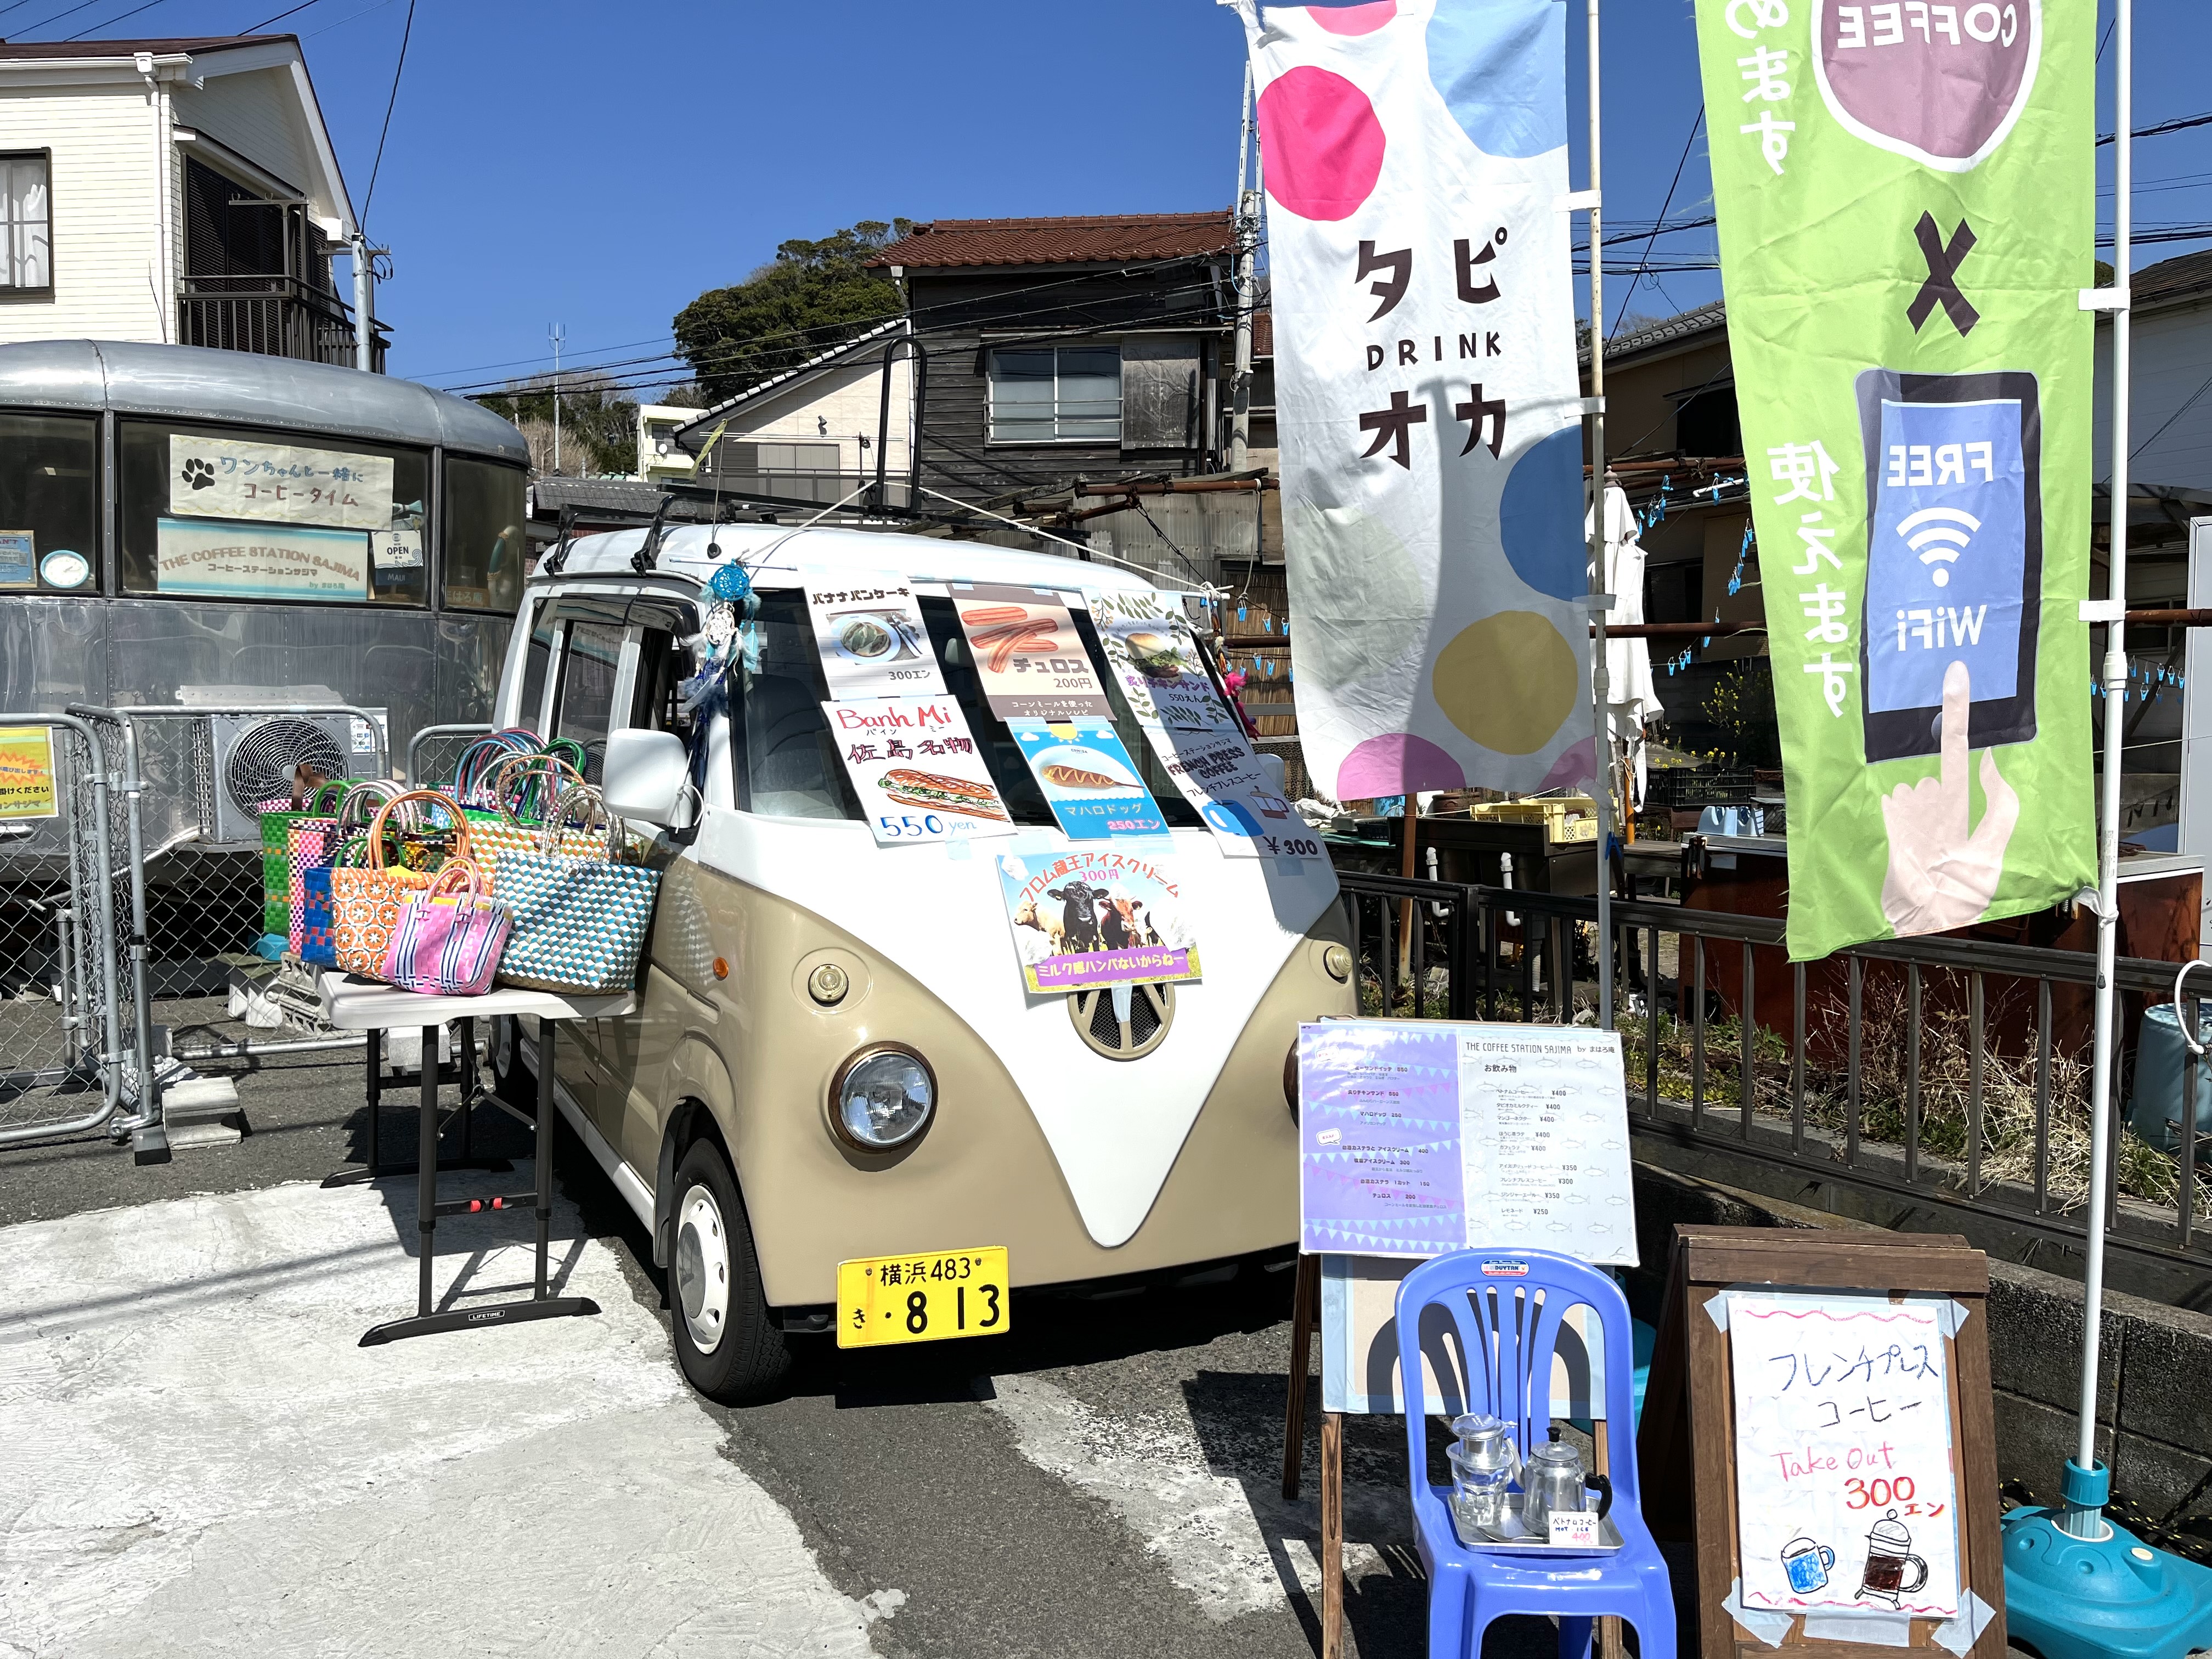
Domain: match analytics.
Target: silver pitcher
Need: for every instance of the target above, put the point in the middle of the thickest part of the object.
(1557, 1484)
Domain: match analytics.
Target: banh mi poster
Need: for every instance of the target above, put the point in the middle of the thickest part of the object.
(1087, 778)
(917, 769)
(1027, 655)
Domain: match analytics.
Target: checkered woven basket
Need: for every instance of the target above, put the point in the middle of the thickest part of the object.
(579, 922)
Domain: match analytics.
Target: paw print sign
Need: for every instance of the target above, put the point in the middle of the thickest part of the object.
(1426, 389)
(197, 473)
(239, 480)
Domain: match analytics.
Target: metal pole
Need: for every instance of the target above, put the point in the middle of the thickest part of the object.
(364, 297)
(1600, 678)
(556, 334)
(1240, 386)
(2083, 1521)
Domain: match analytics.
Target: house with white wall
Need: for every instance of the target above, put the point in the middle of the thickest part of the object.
(180, 191)
(810, 433)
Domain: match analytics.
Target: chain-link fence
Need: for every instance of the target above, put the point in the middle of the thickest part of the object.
(68, 997)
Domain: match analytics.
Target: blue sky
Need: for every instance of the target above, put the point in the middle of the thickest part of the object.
(599, 165)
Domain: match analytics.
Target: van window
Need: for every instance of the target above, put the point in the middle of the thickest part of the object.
(485, 538)
(537, 657)
(48, 503)
(230, 513)
(586, 707)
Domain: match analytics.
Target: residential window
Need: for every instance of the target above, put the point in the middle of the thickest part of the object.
(26, 226)
(1055, 394)
(485, 541)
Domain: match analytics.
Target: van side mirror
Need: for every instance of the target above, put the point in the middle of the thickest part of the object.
(644, 775)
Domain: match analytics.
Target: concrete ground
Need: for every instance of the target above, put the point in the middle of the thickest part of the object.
(200, 1459)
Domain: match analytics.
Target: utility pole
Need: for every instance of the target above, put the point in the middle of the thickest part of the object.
(558, 335)
(1599, 600)
(364, 299)
(1248, 242)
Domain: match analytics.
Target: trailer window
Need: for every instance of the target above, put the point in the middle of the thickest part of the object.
(485, 538)
(229, 513)
(48, 503)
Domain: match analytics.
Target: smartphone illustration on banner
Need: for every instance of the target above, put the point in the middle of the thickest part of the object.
(1955, 555)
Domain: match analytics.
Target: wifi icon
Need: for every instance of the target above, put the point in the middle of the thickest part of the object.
(1939, 535)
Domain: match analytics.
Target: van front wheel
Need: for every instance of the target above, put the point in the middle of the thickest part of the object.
(725, 1340)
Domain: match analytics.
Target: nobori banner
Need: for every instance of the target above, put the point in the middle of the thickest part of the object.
(1907, 207)
(1427, 396)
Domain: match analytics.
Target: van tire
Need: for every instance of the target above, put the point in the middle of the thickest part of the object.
(727, 1342)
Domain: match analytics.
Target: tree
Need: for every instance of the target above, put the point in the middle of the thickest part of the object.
(810, 296)
(598, 425)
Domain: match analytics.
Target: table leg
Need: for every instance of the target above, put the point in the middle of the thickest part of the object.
(1305, 1298)
(468, 1058)
(426, 1166)
(376, 1169)
(375, 1046)
(546, 1028)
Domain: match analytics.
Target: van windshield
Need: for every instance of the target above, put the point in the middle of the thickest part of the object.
(787, 761)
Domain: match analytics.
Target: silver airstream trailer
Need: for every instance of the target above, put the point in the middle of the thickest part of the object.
(212, 532)
(839, 1064)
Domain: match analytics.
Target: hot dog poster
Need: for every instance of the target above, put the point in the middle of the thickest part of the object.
(1087, 917)
(1028, 654)
(1845, 1493)
(917, 769)
(871, 636)
(1088, 779)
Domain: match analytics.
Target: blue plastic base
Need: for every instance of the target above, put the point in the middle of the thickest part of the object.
(2071, 1600)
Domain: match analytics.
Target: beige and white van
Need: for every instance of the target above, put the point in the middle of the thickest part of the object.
(794, 961)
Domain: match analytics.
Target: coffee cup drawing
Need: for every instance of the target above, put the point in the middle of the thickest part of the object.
(1807, 1564)
(1889, 1548)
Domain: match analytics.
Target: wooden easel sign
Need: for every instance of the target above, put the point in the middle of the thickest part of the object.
(1818, 1424)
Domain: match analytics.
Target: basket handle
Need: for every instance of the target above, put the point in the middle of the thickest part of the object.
(452, 811)
(358, 798)
(469, 873)
(315, 801)
(553, 765)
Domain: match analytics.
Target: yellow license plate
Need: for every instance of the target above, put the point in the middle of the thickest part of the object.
(925, 1297)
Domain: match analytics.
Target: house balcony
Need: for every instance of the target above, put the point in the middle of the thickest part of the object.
(274, 317)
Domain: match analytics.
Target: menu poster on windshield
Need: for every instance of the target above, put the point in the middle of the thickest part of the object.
(1217, 774)
(1083, 918)
(1846, 1502)
(1417, 1137)
(1153, 654)
(1378, 1138)
(1028, 654)
(871, 636)
(259, 561)
(282, 484)
(917, 769)
(1088, 779)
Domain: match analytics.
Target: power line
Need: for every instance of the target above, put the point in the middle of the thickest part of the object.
(1656, 224)
(256, 28)
(405, 35)
(58, 15)
(2178, 124)
(112, 22)
(373, 5)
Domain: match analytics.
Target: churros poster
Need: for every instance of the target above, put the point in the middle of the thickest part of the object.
(1083, 918)
(871, 636)
(916, 768)
(1028, 654)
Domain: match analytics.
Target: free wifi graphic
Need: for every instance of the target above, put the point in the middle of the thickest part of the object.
(1939, 535)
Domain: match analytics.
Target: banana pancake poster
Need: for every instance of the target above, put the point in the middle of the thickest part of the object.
(1088, 779)
(1083, 918)
(871, 636)
(917, 769)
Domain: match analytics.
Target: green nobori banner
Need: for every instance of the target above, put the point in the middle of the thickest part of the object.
(1905, 193)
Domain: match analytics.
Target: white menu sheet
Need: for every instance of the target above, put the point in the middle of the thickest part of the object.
(1544, 1141)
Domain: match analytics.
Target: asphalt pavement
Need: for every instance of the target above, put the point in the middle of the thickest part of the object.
(1104, 1479)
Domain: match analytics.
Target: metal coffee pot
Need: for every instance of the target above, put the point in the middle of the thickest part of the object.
(1483, 1463)
(1557, 1484)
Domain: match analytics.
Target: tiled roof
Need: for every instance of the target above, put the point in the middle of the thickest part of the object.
(79, 49)
(2171, 279)
(1684, 325)
(1112, 238)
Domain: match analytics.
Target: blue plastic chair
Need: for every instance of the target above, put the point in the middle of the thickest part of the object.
(1506, 1329)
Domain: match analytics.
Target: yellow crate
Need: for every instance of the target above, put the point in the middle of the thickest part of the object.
(1567, 818)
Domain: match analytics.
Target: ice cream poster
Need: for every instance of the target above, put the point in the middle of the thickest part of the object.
(871, 636)
(1027, 655)
(1845, 1493)
(1155, 658)
(1088, 779)
(1083, 918)
(917, 770)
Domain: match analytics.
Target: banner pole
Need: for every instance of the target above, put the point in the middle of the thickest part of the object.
(1600, 678)
(2081, 1516)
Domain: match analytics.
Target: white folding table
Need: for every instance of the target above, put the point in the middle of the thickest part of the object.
(353, 1003)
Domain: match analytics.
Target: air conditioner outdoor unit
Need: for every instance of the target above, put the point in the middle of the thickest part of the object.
(255, 757)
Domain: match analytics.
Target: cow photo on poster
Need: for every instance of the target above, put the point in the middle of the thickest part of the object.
(1084, 917)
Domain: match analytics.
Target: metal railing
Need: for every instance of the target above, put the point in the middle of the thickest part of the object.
(1949, 1071)
(272, 316)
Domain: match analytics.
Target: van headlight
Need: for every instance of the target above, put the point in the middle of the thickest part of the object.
(883, 1097)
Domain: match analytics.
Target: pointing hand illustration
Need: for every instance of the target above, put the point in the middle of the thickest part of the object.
(1940, 876)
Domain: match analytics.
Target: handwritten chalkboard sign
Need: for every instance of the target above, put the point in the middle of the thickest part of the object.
(1817, 1431)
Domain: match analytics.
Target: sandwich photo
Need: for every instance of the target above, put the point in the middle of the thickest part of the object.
(935, 793)
(1154, 655)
